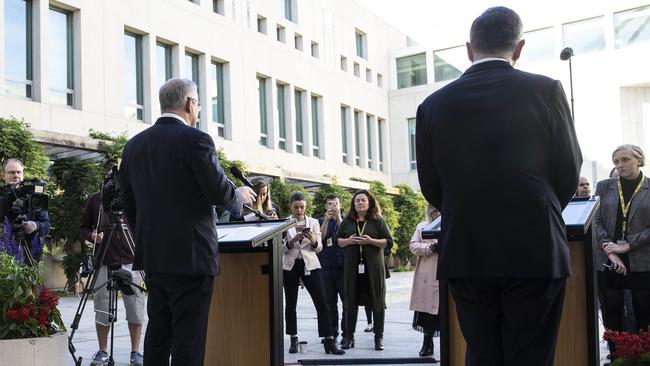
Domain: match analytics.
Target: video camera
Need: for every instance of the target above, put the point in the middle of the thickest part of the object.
(20, 202)
(111, 194)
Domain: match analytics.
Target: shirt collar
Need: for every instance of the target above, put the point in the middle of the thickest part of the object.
(489, 59)
(174, 115)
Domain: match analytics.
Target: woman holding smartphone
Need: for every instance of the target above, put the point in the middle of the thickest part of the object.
(364, 235)
(300, 262)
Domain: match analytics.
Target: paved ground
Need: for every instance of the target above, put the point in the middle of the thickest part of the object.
(400, 340)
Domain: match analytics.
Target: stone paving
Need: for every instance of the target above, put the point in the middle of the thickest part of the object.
(400, 340)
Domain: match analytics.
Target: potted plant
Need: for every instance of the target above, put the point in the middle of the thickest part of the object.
(31, 330)
(629, 349)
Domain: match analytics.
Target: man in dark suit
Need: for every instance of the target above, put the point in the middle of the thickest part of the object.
(503, 248)
(170, 181)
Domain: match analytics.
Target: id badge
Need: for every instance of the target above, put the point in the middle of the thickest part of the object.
(328, 242)
(362, 268)
(621, 242)
(307, 272)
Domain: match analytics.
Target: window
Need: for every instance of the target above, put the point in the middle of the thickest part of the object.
(541, 46)
(297, 41)
(315, 125)
(133, 80)
(18, 48)
(261, 24)
(411, 71)
(448, 64)
(61, 57)
(344, 63)
(357, 138)
(192, 73)
(290, 10)
(380, 142)
(218, 97)
(632, 26)
(314, 49)
(357, 70)
(411, 130)
(585, 36)
(282, 117)
(368, 75)
(163, 63)
(264, 119)
(218, 7)
(280, 33)
(369, 139)
(361, 44)
(380, 80)
(299, 121)
(344, 134)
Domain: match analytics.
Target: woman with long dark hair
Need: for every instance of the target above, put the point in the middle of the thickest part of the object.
(364, 235)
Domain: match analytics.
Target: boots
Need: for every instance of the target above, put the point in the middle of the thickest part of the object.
(347, 343)
(294, 345)
(379, 342)
(330, 347)
(427, 346)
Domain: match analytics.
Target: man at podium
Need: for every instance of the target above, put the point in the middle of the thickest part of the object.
(513, 130)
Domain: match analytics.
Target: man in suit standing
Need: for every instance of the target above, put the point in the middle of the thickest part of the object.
(506, 270)
(170, 181)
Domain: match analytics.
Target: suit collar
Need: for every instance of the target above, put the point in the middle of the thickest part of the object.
(170, 120)
(487, 65)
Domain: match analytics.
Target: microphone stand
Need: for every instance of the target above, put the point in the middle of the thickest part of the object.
(566, 54)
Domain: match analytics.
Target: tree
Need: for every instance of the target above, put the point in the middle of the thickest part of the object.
(111, 147)
(226, 164)
(280, 193)
(16, 141)
(325, 190)
(413, 203)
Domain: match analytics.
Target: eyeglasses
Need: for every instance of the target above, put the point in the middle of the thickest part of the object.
(198, 105)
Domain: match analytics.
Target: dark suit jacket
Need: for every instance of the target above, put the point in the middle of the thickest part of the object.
(638, 224)
(170, 180)
(497, 154)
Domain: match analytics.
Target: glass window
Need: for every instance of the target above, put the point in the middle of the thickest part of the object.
(380, 80)
(280, 33)
(192, 73)
(411, 127)
(218, 7)
(163, 63)
(133, 76)
(299, 120)
(344, 63)
(217, 97)
(539, 47)
(585, 36)
(18, 47)
(344, 134)
(261, 24)
(632, 26)
(297, 41)
(380, 141)
(357, 70)
(261, 93)
(315, 124)
(361, 45)
(357, 139)
(369, 139)
(411, 71)
(448, 64)
(314, 49)
(282, 117)
(290, 10)
(60, 57)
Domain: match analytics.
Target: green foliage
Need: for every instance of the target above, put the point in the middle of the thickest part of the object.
(16, 141)
(110, 146)
(402, 268)
(70, 265)
(280, 193)
(412, 205)
(325, 190)
(227, 164)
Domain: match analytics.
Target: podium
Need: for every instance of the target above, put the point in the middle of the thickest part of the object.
(577, 342)
(245, 323)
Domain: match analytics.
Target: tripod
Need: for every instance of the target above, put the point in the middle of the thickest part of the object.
(117, 280)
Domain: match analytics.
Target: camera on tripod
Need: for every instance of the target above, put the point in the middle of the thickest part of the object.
(111, 195)
(21, 202)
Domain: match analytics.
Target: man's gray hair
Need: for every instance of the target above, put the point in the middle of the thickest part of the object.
(174, 93)
(496, 31)
(9, 161)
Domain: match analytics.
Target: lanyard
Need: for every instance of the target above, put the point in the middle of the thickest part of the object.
(360, 231)
(626, 208)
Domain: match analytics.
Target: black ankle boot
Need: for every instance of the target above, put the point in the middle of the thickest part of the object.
(294, 345)
(330, 347)
(427, 346)
(379, 342)
(347, 343)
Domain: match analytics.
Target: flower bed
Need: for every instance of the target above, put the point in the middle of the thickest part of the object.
(629, 349)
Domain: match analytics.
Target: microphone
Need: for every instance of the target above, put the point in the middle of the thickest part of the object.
(566, 53)
(239, 175)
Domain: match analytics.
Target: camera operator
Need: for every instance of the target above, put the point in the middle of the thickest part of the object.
(95, 228)
(39, 223)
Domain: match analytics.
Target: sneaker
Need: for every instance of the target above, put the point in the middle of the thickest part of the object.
(99, 359)
(368, 328)
(137, 359)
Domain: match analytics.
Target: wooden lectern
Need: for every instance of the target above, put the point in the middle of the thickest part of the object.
(577, 342)
(245, 325)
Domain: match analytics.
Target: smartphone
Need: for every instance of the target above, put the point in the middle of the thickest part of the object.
(306, 230)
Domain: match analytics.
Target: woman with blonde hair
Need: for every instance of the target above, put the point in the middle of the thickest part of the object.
(263, 203)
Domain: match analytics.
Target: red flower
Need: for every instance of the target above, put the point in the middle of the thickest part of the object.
(23, 314)
(11, 314)
(42, 321)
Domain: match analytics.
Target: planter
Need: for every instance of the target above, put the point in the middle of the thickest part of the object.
(51, 351)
